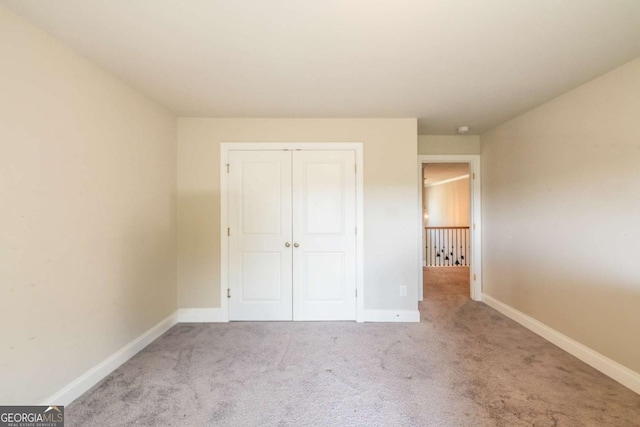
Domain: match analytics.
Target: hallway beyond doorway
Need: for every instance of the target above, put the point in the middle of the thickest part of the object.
(450, 216)
(448, 285)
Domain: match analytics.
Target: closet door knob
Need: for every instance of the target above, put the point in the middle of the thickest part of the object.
(287, 244)
(295, 245)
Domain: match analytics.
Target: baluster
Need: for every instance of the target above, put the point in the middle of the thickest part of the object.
(431, 248)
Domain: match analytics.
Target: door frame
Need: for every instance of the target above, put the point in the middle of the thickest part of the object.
(475, 272)
(226, 147)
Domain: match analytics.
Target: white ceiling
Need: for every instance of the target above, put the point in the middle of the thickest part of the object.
(447, 62)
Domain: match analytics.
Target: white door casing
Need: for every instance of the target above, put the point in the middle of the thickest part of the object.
(324, 235)
(260, 262)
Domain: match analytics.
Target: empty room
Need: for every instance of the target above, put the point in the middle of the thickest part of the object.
(314, 213)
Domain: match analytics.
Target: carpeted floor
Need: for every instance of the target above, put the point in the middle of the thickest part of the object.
(464, 364)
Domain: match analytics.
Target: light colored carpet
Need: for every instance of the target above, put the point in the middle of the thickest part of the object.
(463, 365)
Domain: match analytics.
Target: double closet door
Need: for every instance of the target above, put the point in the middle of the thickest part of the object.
(292, 235)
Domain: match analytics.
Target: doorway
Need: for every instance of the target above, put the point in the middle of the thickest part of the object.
(292, 216)
(450, 223)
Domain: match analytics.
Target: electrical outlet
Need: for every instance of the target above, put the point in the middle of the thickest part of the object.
(403, 291)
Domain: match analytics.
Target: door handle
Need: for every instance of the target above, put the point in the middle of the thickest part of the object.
(287, 244)
(295, 245)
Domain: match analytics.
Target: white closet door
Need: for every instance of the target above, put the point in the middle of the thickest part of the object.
(324, 221)
(260, 266)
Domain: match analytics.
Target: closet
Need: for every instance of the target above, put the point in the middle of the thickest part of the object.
(292, 235)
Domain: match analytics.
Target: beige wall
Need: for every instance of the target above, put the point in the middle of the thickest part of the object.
(448, 144)
(448, 204)
(87, 214)
(561, 204)
(391, 207)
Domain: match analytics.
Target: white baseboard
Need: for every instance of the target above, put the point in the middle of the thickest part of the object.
(610, 368)
(202, 315)
(215, 315)
(391, 316)
(90, 378)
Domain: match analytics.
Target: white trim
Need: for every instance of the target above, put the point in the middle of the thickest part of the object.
(278, 146)
(391, 316)
(202, 315)
(224, 223)
(94, 375)
(360, 235)
(446, 181)
(421, 241)
(225, 147)
(475, 228)
(609, 367)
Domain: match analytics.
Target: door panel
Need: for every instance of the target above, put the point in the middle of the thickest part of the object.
(261, 197)
(324, 221)
(324, 204)
(324, 276)
(261, 277)
(260, 265)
